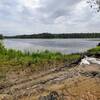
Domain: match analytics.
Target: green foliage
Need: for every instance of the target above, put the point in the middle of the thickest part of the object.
(51, 36)
(1, 36)
(72, 56)
(12, 60)
(94, 51)
(35, 56)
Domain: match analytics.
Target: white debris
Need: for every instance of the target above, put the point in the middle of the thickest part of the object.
(84, 62)
(93, 60)
(89, 60)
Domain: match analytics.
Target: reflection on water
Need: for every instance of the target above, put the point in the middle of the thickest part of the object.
(60, 45)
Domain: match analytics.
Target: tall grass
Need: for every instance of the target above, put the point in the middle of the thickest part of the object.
(13, 54)
(14, 60)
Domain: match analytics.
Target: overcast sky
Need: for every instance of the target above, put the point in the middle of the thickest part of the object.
(55, 16)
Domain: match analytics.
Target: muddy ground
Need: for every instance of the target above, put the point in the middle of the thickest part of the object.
(81, 82)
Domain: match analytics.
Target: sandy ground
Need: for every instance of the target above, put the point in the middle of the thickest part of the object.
(79, 83)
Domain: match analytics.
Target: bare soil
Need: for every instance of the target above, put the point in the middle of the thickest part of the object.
(69, 83)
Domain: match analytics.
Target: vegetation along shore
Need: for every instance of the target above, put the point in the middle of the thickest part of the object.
(22, 74)
(55, 36)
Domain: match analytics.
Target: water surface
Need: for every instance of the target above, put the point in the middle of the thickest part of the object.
(59, 45)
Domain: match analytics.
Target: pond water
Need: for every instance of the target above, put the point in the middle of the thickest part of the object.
(56, 45)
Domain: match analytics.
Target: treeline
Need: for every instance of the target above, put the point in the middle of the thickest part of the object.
(51, 36)
(1, 36)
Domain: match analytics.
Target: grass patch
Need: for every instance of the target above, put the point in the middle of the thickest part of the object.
(94, 52)
(12, 60)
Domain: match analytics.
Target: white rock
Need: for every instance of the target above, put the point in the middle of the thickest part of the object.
(89, 60)
(84, 62)
(93, 60)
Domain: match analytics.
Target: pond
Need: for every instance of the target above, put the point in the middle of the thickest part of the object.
(56, 45)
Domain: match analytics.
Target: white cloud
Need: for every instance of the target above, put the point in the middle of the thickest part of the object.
(29, 3)
(33, 16)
